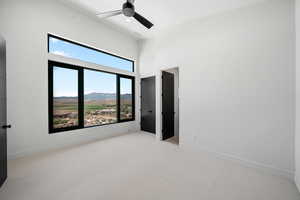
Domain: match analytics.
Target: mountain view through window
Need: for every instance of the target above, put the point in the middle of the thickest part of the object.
(83, 97)
(100, 100)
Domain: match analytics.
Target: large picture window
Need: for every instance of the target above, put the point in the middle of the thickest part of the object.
(80, 97)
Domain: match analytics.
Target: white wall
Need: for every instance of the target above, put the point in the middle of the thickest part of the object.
(25, 25)
(237, 81)
(297, 136)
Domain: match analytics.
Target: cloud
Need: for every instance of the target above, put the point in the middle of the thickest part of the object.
(65, 94)
(61, 53)
(53, 40)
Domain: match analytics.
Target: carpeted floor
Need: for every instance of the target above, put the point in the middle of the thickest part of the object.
(138, 167)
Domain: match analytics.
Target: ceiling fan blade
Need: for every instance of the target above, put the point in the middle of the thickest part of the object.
(142, 20)
(109, 14)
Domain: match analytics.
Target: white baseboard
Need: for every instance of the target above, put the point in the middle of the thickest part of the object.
(253, 164)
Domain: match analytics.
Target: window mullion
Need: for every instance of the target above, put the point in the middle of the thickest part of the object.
(118, 99)
(81, 97)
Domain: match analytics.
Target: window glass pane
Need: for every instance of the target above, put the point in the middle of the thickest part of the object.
(100, 102)
(125, 98)
(68, 49)
(65, 97)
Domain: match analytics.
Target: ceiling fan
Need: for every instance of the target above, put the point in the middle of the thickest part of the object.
(129, 11)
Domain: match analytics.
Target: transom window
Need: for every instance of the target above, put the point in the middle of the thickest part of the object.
(63, 47)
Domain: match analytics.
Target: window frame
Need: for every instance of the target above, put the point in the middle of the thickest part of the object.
(80, 69)
(51, 65)
(119, 97)
(89, 47)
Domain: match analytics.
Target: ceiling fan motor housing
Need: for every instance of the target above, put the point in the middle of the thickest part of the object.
(128, 9)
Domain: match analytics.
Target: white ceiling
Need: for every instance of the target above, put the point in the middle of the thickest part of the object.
(162, 13)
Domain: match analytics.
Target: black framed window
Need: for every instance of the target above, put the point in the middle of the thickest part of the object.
(80, 97)
(71, 49)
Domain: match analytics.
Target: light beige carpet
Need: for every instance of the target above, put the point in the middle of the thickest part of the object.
(137, 167)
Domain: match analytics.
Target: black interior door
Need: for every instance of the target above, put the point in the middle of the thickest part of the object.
(148, 114)
(3, 126)
(167, 105)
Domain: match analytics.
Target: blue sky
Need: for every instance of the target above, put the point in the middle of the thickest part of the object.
(65, 80)
(125, 86)
(99, 82)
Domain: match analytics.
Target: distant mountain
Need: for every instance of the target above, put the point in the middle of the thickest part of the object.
(97, 96)
(126, 96)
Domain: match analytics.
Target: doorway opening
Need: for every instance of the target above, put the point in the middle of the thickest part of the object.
(170, 105)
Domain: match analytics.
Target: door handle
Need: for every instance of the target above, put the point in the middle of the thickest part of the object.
(6, 126)
(150, 111)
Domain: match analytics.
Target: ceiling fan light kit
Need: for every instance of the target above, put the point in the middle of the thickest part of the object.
(128, 10)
